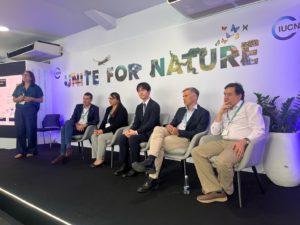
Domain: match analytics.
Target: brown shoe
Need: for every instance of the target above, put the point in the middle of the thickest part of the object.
(29, 155)
(212, 197)
(69, 152)
(60, 158)
(18, 156)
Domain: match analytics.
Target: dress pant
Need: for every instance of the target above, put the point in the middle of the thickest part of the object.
(26, 127)
(66, 133)
(225, 161)
(162, 141)
(99, 145)
(130, 147)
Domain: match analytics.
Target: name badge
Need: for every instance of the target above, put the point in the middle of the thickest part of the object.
(107, 125)
(22, 103)
(225, 132)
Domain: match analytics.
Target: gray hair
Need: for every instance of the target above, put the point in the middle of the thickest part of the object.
(192, 89)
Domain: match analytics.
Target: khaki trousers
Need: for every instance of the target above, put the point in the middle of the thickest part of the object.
(99, 145)
(225, 161)
(161, 140)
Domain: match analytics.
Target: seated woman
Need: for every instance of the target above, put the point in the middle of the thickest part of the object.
(116, 116)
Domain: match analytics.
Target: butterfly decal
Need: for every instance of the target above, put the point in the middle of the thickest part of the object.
(234, 28)
(228, 35)
(245, 27)
(237, 36)
(224, 41)
(224, 28)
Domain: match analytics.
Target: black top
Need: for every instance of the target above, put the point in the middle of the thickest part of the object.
(93, 114)
(198, 122)
(119, 119)
(145, 124)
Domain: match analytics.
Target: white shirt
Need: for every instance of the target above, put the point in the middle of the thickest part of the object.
(248, 123)
(186, 117)
(146, 102)
(84, 115)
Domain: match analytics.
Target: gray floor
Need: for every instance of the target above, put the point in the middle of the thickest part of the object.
(6, 219)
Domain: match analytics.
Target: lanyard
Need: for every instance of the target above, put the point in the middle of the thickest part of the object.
(84, 114)
(236, 112)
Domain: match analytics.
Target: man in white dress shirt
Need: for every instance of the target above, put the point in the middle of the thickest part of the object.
(239, 123)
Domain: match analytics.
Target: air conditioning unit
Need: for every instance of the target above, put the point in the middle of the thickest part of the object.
(201, 8)
(38, 51)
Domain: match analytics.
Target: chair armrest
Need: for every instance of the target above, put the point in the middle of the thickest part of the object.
(208, 138)
(117, 134)
(194, 142)
(254, 153)
(88, 132)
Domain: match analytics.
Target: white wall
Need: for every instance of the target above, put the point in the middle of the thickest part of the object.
(152, 33)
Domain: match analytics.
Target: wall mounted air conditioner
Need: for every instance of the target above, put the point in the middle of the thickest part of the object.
(38, 51)
(201, 8)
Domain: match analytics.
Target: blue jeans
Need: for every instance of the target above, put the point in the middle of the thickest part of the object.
(66, 133)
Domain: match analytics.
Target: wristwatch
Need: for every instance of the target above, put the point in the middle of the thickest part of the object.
(247, 141)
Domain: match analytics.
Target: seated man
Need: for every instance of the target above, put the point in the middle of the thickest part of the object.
(188, 121)
(239, 123)
(146, 118)
(84, 115)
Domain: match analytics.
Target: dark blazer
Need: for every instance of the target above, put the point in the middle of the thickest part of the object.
(145, 124)
(93, 114)
(120, 119)
(198, 122)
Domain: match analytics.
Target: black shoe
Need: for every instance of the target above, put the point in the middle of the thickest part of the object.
(121, 170)
(150, 184)
(92, 165)
(130, 173)
(60, 158)
(145, 166)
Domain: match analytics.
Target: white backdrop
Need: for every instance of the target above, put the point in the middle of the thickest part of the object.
(277, 71)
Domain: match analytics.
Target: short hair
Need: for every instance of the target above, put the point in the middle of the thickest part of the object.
(238, 88)
(32, 77)
(143, 85)
(192, 89)
(88, 94)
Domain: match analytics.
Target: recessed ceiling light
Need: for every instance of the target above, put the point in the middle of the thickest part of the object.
(3, 28)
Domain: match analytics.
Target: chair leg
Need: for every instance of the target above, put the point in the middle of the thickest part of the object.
(239, 188)
(44, 137)
(79, 148)
(50, 139)
(82, 151)
(258, 180)
(112, 157)
(186, 187)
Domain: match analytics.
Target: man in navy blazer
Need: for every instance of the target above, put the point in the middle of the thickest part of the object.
(146, 118)
(84, 115)
(188, 121)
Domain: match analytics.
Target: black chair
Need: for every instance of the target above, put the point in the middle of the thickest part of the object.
(50, 123)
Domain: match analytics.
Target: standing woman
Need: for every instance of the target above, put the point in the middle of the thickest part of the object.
(116, 116)
(27, 97)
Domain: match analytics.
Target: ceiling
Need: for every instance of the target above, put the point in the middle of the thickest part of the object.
(49, 20)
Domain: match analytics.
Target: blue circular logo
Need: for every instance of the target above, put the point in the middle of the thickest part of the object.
(284, 31)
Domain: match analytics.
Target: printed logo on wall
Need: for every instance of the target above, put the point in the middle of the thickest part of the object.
(285, 28)
(57, 73)
(225, 52)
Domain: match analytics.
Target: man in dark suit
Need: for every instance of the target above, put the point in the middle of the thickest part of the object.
(146, 118)
(84, 115)
(188, 121)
